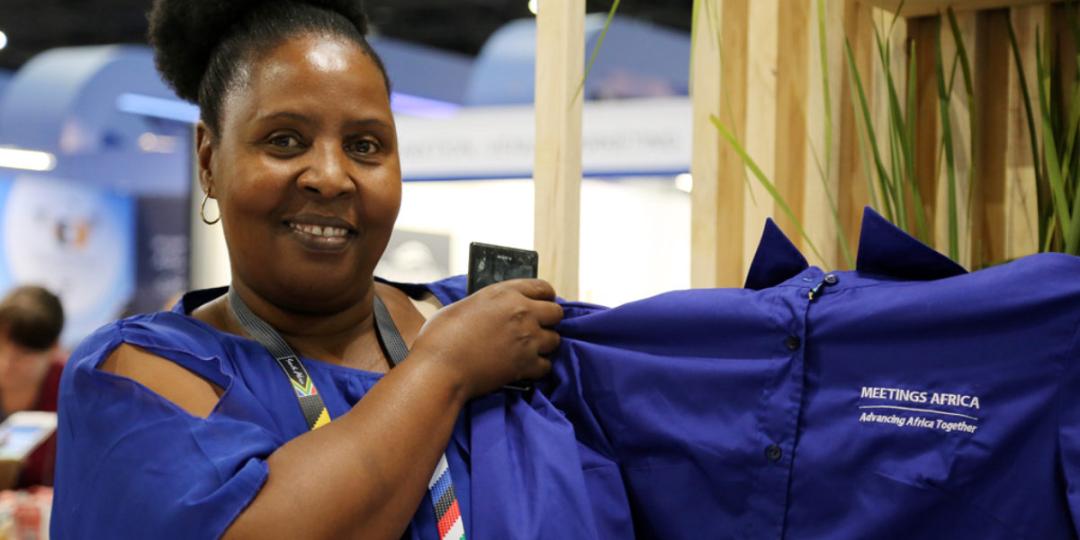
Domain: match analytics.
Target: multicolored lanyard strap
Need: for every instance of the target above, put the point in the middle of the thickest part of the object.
(441, 486)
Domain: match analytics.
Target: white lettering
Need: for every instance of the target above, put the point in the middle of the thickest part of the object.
(949, 427)
(893, 394)
(917, 422)
(955, 400)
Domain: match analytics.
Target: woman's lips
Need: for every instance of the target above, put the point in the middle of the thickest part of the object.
(319, 233)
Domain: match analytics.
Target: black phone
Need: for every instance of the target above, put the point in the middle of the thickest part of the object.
(490, 264)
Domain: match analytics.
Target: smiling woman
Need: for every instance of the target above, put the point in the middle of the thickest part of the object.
(181, 424)
(308, 178)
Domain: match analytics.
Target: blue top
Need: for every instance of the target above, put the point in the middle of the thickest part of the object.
(907, 399)
(137, 466)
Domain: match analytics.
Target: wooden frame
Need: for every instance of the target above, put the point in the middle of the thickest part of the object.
(560, 66)
(768, 91)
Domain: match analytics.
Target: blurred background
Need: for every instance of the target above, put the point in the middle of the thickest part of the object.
(97, 195)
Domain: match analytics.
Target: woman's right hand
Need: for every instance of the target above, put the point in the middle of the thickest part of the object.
(498, 335)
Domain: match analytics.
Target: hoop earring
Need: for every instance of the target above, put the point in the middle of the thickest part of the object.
(202, 211)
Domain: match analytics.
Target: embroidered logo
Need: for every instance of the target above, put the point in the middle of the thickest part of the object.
(919, 409)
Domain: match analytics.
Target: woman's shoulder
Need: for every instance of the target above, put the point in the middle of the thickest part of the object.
(162, 330)
(167, 358)
(169, 337)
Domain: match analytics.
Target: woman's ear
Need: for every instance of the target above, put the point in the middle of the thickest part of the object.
(204, 154)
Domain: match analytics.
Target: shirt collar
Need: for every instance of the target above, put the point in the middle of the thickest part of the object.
(884, 250)
(776, 260)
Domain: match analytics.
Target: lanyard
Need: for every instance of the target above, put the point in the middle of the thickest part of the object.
(311, 403)
(443, 497)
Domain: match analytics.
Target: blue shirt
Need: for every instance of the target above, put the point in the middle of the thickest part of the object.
(904, 399)
(134, 465)
(908, 399)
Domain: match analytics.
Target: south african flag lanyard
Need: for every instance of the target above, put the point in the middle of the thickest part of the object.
(441, 487)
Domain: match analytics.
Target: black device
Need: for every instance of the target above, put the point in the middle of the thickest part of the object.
(491, 264)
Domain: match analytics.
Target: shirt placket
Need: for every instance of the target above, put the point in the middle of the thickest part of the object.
(778, 417)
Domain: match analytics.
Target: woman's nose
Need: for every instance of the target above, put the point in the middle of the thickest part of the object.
(328, 173)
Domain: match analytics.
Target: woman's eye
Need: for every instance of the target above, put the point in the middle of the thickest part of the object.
(364, 147)
(284, 141)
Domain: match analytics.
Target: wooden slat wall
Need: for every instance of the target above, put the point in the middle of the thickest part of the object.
(1021, 235)
(922, 8)
(719, 89)
(991, 58)
(761, 106)
(960, 115)
(932, 183)
(769, 90)
(853, 190)
(821, 165)
(792, 101)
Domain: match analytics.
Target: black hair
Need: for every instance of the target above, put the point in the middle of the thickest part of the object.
(32, 317)
(200, 46)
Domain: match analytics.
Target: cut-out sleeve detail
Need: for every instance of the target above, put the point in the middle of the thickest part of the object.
(131, 463)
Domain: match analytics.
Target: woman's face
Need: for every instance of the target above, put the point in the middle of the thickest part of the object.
(306, 174)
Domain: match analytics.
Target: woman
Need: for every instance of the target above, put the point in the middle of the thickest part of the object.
(177, 423)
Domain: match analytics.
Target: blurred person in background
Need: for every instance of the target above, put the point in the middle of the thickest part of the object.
(31, 319)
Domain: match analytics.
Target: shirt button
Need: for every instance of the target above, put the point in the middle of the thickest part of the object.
(792, 343)
(774, 453)
(831, 279)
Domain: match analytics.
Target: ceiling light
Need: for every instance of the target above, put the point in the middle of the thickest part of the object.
(684, 182)
(420, 106)
(3, 41)
(169, 109)
(30, 160)
(533, 6)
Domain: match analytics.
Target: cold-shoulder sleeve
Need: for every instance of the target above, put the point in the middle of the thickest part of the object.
(131, 464)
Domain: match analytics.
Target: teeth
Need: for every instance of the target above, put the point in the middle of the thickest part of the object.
(315, 230)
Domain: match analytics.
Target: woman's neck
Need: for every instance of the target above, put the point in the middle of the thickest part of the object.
(345, 337)
(305, 323)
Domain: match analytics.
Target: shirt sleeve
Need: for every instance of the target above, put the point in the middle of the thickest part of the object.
(131, 464)
(1069, 430)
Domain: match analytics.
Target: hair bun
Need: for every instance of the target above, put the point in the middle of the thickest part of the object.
(184, 33)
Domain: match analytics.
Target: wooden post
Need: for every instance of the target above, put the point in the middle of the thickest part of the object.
(821, 164)
(560, 65)
(960, 121)
(854, 192)
(1021, 193)
(924, 33)
(718, 89)
(894, 34)
(760, 135)
(791, 111)
(992, 58)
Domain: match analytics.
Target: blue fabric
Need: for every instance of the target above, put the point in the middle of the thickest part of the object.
(908, 400)
(676, 401)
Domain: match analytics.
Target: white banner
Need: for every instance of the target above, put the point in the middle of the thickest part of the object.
(620, 138)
